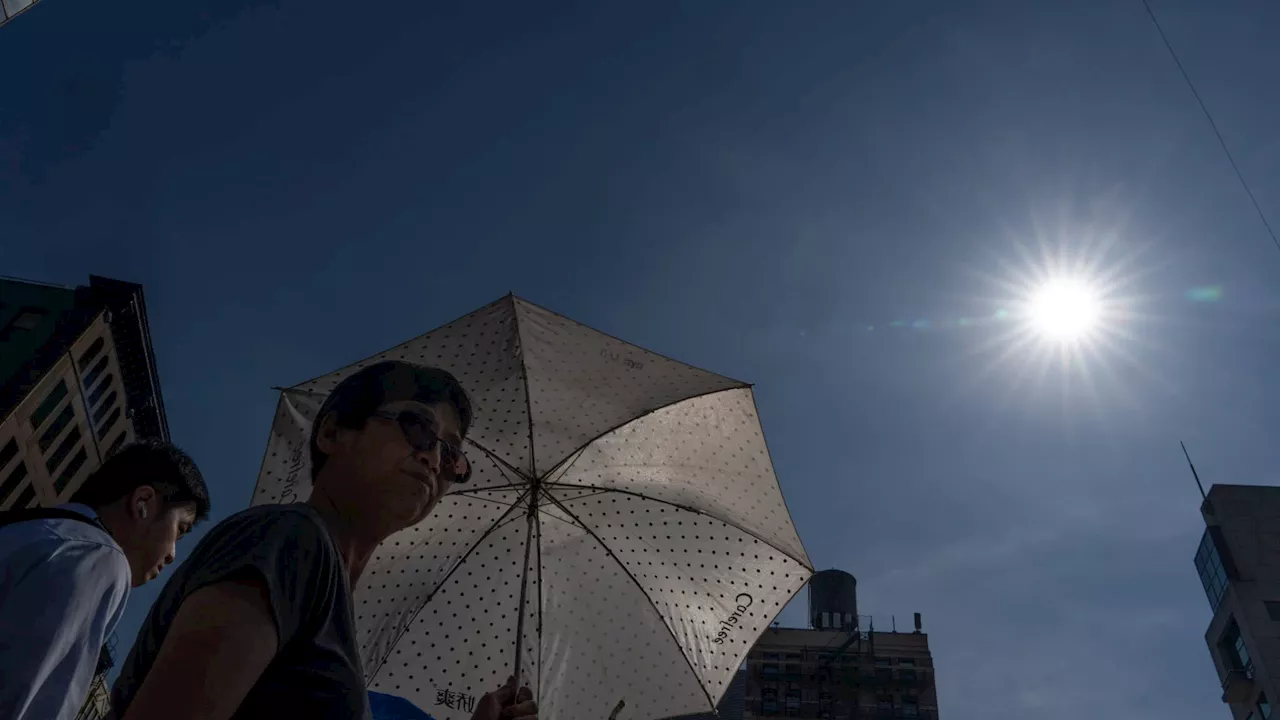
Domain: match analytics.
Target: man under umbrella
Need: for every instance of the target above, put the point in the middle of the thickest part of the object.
(259, 621)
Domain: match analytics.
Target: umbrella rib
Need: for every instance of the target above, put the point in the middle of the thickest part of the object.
(686, 508)
(496, 460)
(647, 413)
(299, 387)
(584, 497)
(266, 452)
(541, 512)
(497, 523)
(483, 499)
(492, 487)
(524, 378)
(710, 703)
(624, 342)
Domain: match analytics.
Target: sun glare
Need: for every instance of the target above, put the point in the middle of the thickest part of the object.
(1064, 309)
(1065, 312)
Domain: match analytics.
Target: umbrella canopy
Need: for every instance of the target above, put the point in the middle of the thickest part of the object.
(622, 539)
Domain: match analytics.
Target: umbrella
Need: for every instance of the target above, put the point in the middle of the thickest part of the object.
(621, 545)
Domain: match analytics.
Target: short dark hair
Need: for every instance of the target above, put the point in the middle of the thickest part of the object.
(161, 465)
(360, 394)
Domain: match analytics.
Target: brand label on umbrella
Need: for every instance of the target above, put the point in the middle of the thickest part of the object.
(744, 601)
(621, 359)
(456, 700)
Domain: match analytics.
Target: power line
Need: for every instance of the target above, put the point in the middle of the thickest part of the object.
(1208, 116)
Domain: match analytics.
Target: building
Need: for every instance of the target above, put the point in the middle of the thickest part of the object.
(732, 706)
(77, 380)
(840, 666)
(9, 9)
(1238, 561)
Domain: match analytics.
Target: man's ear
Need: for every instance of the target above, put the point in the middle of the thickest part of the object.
(327, 434)
(144, 503)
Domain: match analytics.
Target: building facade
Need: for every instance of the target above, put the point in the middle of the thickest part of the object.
(1238, 561)
(77, 381)
(9, 9)
(732, 706)
(840, 667)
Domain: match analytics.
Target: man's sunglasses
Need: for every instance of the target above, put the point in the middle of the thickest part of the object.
(418, 429)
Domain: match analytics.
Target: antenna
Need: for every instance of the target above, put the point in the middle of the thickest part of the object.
(1194, 474)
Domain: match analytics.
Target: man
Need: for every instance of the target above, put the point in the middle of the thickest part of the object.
(65, 572)
(258, 622)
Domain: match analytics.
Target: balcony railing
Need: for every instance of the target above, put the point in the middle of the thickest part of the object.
(1237, 689)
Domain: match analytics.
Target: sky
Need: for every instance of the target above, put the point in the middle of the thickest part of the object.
(806, 196)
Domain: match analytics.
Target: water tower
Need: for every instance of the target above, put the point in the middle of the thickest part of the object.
(833, 601)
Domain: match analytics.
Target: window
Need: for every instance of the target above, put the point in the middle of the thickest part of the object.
(27, 496)
(9, 452)
(94, 372)
(1235, 654)
(1264, 707)
(64, 449)
(110, 423)
(96, 395)
(72, 468)
(769, 669)
(886, 662)
(884, 703)
(793, 702)
(772, 656)
(49, 403)
(55, 428)
(12, 481)
(910, 708)
(907, 662)
(92, 351)
(115, 444)
(769, 701)
(1213, 576)
(1273, 607)
(27, 319)
(104, 406)
(1242, 652)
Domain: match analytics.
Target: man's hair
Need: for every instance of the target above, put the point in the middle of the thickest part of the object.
(159, 464)
(360, 394)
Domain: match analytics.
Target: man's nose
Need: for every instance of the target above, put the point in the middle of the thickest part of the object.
(431, 458)
(169, 556)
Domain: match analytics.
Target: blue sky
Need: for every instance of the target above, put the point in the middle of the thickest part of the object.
(746, 187)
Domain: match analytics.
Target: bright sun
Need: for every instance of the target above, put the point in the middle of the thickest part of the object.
(1064, 309)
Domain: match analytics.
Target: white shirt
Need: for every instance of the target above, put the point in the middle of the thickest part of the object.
(63, 588)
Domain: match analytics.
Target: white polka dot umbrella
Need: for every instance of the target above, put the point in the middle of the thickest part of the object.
(623, 537)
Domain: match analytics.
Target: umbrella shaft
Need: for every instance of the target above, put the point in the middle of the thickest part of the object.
(524, 586)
